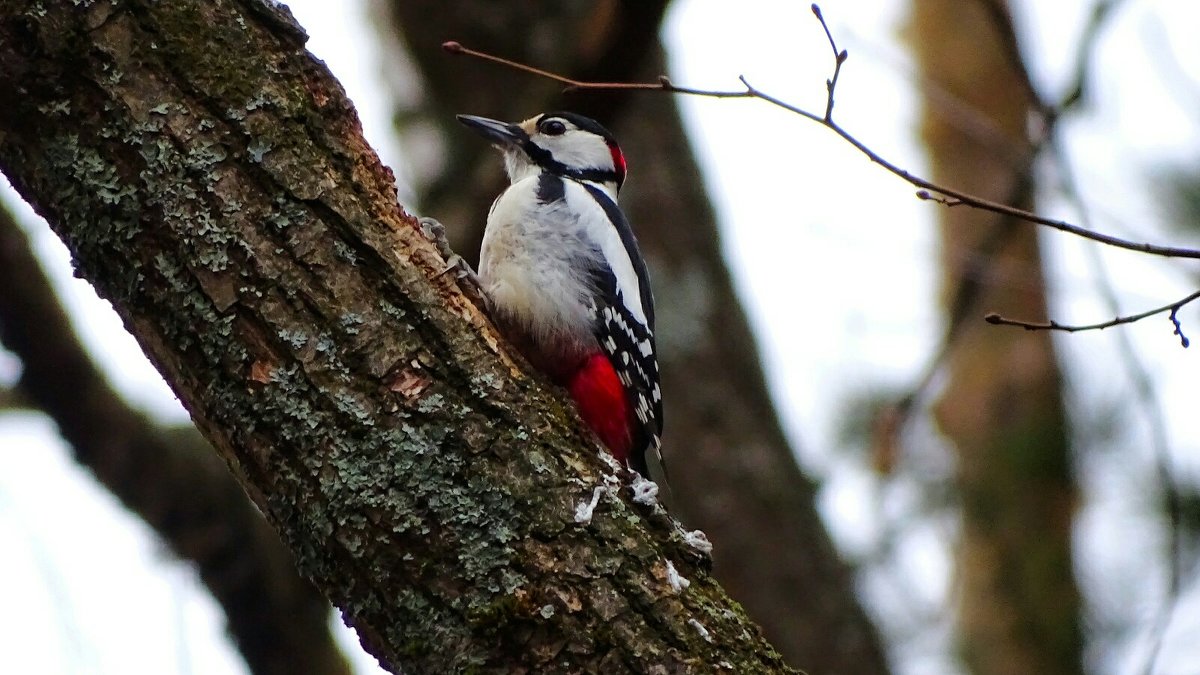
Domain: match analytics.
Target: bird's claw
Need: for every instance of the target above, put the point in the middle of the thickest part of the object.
(467, 280)
(435, 232)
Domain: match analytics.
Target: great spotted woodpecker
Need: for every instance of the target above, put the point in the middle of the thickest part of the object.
(565, 282)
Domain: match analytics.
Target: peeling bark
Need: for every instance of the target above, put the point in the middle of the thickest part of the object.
(210, 179)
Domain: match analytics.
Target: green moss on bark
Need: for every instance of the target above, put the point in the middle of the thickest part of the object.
(210, 179)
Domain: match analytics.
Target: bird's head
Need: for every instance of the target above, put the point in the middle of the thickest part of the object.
(563, 143)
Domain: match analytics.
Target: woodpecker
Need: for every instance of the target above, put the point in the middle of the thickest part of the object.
(565, 282)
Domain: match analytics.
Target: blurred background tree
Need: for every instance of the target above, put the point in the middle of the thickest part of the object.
(1001, 404)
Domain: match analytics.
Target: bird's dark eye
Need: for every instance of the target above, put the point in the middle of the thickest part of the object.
(552, 127)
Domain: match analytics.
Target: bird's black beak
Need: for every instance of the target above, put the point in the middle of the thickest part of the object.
(500, 133)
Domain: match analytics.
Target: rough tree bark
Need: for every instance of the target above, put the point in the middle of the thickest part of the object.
(168, 477)
(210, 179)
(1019, 608)
(733, 472)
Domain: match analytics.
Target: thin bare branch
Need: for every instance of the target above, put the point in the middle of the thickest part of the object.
(839, 57)
(453, 47)
(665, 85)
(996, 319)
(1101, 12)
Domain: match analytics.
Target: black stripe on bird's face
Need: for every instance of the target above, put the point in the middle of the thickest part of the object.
(562, 143)
(573, 146)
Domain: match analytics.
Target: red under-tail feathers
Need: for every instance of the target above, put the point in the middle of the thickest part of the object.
(598, 393)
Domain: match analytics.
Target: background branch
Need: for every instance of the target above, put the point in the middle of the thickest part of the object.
(1170, 308)
(960, 197)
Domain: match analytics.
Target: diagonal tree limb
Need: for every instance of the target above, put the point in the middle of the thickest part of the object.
(211, 180)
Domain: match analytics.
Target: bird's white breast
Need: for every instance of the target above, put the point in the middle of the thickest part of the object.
(537, 259)
(530, 265)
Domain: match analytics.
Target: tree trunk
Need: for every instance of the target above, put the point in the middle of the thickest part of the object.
(1002, 403)
(210, 179)
(733, 473)
(169, 478)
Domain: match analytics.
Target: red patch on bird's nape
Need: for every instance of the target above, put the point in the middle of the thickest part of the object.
(618, 158)
(598, 394)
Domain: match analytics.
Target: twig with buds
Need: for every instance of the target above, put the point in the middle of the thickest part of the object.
(1173, 308)
(840, 56)
(928, 190)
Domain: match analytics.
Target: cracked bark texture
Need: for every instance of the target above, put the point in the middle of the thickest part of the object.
(170, 478)
(1001, 407)
(733, 473)
(210, 179)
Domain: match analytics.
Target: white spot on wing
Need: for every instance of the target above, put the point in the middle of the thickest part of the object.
(645, 348)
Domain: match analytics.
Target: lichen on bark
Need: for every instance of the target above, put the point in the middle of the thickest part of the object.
(211, 180)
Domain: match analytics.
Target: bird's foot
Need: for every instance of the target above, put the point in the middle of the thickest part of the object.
(467, 280)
